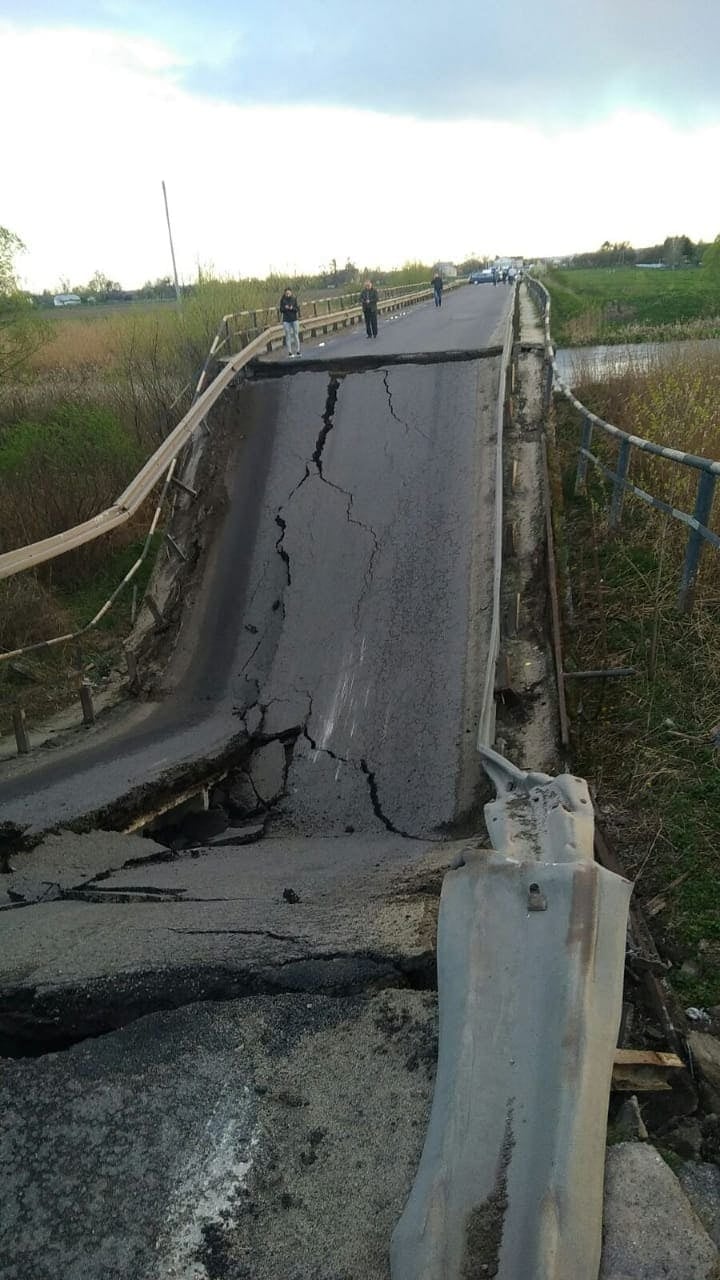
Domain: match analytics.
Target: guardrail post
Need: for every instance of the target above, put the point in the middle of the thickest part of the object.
(585, 442)
(21, 733)
(132, 667)
(701, 514)
(618, 494)
(86, 702)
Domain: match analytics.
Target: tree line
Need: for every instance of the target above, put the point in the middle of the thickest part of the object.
(675, 251)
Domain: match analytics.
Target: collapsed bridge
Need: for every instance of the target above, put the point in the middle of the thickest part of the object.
(334, 656)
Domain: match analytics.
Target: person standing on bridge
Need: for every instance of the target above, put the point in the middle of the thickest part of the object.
(437, 284)
(290, 316)
(369, 304)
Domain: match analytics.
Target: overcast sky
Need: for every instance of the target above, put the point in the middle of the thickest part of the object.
(292, 133)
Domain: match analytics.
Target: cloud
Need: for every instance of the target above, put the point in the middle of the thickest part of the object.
(517, 60)
(252, 188)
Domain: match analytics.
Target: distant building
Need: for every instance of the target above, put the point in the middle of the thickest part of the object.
(66, 300)
(447, 270)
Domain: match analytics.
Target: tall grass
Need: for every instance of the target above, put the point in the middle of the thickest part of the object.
(646, 743)
(61, 471)
(627, 304)
(674, 401)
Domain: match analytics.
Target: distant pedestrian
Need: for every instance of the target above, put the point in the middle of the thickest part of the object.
(290, 316)
(494, 276)
(437, 284)
(369, 304)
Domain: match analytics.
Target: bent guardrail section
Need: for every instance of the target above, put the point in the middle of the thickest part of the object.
(486, 723)
(531, 950)
(707, 468)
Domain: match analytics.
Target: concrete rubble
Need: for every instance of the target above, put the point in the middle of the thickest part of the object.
(650, 1230)
(701, 1184)
(705, 1049)
(270, 1137)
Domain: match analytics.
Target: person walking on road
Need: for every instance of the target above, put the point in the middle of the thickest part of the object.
(437, 284)
(369, 304)
(290, 316)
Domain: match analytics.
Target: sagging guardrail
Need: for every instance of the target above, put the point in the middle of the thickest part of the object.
(155, 469)
(708, 469)
(486, 724)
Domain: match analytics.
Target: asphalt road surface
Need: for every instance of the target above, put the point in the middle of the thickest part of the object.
(468, 318)
(347, 593)
(257, 1104)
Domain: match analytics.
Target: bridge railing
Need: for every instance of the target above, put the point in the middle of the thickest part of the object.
(239, 328)
(707, 469)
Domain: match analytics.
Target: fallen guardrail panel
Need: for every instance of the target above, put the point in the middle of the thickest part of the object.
(531, 947)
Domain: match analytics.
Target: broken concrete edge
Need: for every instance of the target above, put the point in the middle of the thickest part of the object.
(272, 1137)
(156, 630)
(43, 876)
(526, 691)
(650, 1227)
(189, 520)
(35, 1021)
(366, 362)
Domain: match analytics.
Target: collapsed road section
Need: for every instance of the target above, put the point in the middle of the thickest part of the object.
(343, 606)
(196, 1028)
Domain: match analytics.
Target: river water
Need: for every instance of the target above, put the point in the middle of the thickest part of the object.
(576, 364)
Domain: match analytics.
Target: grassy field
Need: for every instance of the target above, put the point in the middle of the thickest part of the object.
(628, 304)
(645, 743)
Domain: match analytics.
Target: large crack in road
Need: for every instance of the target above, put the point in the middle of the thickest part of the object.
(342, 640)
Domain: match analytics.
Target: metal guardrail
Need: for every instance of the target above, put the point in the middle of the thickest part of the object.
(244, 325)
(486, 724)
(153, 471)
(531, 952)
(708, 469)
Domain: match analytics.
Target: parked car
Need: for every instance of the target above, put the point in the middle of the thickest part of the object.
(481, 277)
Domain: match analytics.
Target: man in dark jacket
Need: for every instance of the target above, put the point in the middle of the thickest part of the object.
(437, 284)
(290, 316)
(369, 304)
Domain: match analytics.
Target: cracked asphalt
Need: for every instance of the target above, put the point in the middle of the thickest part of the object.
(348, 577)
(360, 634)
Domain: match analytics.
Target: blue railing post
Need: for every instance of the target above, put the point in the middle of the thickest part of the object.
(585, 442)
(702, 513)
(618, 494)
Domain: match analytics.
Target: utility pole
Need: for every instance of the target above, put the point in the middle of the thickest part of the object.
(172, 247)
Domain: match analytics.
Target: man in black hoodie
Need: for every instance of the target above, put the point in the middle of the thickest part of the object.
(369, 304)
(437, 284)
(290, 316)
